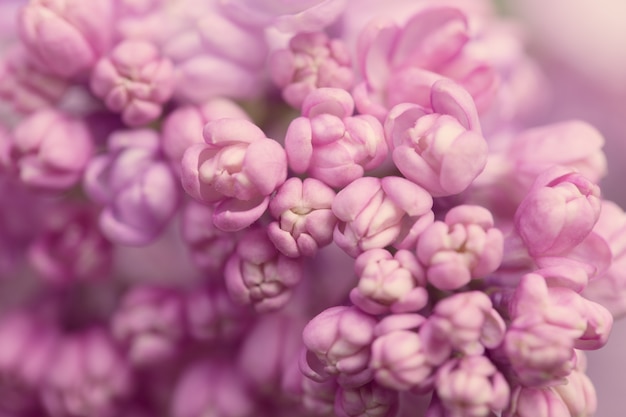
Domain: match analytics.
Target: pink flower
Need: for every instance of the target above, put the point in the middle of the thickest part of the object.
(374, 213)
(66, 37)
(311, 61)
(304, 219)
(369, 400)
(465, 246)
(134, 81)
(237, 167)
(536, 402)
(330, 144)
(389, 282)
(578, 393)
(558, 212)
(49, 150)
(440, 149)
(257, 274)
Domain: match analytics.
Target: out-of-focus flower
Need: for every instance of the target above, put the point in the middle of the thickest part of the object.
(369, 400)
(135, 81)
(536, 402)
(238, 167)
(137, 188)
(66, 37)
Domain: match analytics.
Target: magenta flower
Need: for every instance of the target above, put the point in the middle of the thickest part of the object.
(124, 181)
(66, 37)
(149, 324)
(338, 342)
(89, 376)
(400, 64)
(465, 246)
(258, 275)
(71, 247)
(330, 144)
(374, 213)
(237, 167)
(472, 387)
(311, 61)
(134, 80)
(558, 212)
(183, 126)
(440, 149)
(389, 282)
(369, 400)
(49, 150)
(304, 219)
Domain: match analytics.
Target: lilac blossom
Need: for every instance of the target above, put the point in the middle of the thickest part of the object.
(369, 400)
(374, 213)
(304, 219)
(558, 213)
(471, 387)
(88, 377)
(536, 402)
(149, 324)
(49, 150)
(311, 61)
(338, 342)
(578, 392)
(183, 126)
(441, 148)
(71, 247)
(238, 167)
(66, 37)
(330, 144)
(258, 275)
(134, 81)
(465, 246)
(124, 180)
(387, 282)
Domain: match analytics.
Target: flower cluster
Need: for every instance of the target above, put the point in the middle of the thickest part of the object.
(317, 208)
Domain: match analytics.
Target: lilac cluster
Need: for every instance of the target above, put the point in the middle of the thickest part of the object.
(317, 208)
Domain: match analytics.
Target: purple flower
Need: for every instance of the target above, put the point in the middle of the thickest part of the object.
(136, 186)
(304, 219)
(330, 144)
(66, 37)
(237, 167)
(149, 324)
(88, 377)
(134, 81)
(49, 150)
(389, 282)
(471, 387)
(338, 342)
(212, 387)
(369, 400)
(311, 61)
(183, 126)
(442, 150)
(71, 247)
(465, 246)
(374, 213)
(558, 212)
(257, 274)
(536, 402)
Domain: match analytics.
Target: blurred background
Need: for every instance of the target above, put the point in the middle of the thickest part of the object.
(581, 45)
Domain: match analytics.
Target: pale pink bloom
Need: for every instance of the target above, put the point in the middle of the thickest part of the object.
(578, 393)
(471, 387)
(465, 246)
(440, 148)
(389, 282)
(66, 37)
(369, 400)
(134, 80)
(237, 167)
(330, 144)
(304, 219)
(260, 276)
(311, 61)
(49, 150)
(374, 213)
(536, 402)
(338, 342)
(558, 212)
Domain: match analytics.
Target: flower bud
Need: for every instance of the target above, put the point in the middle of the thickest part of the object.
(536, 402)
(369, 400)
